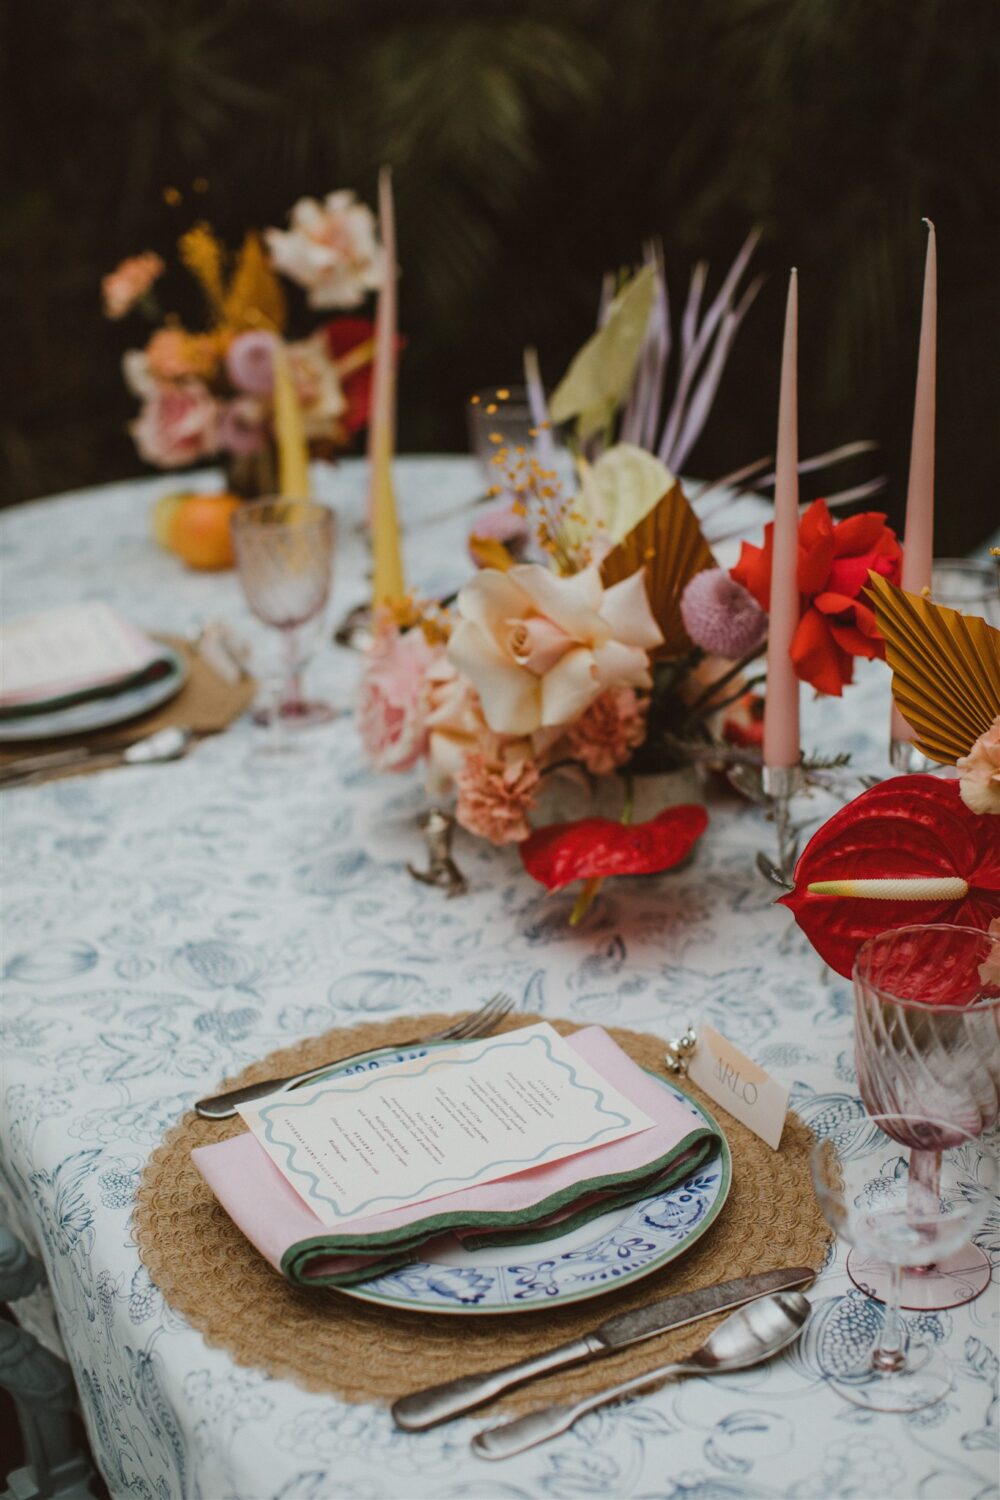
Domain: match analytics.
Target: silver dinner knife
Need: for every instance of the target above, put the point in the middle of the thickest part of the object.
(438, 1403)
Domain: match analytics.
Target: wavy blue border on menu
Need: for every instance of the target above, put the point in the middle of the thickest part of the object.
(437, 1188)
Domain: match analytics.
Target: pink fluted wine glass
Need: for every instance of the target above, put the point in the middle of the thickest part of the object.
(899, 1222)
(927, 1043)
(284, 558)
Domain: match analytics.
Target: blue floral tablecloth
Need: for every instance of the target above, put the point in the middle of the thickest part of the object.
(167, 925)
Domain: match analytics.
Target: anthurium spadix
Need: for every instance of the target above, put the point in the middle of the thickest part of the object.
(905, 852)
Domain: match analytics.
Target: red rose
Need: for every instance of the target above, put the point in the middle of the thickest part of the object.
(835, 624)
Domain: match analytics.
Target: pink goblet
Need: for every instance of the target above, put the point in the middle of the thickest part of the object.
(284, 557)
(927, 1044)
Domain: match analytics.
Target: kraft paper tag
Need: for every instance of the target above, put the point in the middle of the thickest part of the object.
(739, 1085)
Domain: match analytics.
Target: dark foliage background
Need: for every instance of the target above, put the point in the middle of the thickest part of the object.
(535, 143)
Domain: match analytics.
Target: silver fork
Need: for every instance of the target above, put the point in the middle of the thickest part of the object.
(478, 1023)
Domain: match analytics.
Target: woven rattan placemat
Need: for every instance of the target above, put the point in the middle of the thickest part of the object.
(327, 1342)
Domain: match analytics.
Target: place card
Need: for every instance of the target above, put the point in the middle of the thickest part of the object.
(472, 1113)
(741, 1086)
(69, 649)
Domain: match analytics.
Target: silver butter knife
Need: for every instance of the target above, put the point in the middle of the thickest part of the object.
(438, 1403)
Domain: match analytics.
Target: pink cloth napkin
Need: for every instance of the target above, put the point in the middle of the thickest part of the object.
(288, 1234)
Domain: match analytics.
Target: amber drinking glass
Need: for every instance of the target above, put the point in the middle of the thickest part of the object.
(284, 558)
(927, 1043)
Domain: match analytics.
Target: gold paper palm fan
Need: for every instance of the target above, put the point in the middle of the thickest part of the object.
(945, 670)
(669, 543)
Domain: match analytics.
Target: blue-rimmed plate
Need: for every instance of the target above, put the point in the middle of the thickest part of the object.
(103, 712)
(610, 1252)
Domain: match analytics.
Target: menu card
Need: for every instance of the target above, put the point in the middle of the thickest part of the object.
(462, 1115)
(68, 650)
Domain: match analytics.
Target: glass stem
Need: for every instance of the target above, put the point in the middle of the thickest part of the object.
(889, 1355)
(291, 697)
(924, 1177)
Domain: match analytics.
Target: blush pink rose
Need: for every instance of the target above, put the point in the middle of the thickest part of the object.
(243, 425)
(393, 700)
(177, 425)
(979, 773)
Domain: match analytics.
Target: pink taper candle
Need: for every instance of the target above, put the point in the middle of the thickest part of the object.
(781, 711)
(918, 538)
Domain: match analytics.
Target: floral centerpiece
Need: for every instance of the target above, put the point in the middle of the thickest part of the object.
(599, 638)
(208, 392)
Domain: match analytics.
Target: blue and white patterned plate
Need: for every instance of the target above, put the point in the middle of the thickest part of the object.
(612, 1251)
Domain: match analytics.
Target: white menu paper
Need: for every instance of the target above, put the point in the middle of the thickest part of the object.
(362, 1143)
(69, 649)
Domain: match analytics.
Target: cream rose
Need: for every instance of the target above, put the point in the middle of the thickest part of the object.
(454, 722)
(540, 649)
(317, 385)
(331, 249)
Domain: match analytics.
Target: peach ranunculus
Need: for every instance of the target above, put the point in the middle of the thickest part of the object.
(614, 725)
(177, 425)
(496, 793)
(979, 772)
(129, 282)
(989, 969)
(175, 354)
(393, 699)
(331, 249)
(539, 649)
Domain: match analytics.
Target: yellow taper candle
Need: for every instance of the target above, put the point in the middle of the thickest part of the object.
(387, 561)
(289, 432)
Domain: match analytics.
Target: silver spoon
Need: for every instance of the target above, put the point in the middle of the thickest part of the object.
(164, 744)
(748, 1336)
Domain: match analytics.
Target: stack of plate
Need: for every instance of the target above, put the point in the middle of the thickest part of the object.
(79, 668)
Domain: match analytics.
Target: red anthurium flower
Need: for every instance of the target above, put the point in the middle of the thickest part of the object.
(592, 848)
(906, 852)
(835, 623)
(351, 344)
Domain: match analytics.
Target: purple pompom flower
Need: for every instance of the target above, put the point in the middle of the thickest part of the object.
(721, 616)
(250, 362)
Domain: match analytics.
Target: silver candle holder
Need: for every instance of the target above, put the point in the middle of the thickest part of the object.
(906, 760)
(780, 785)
